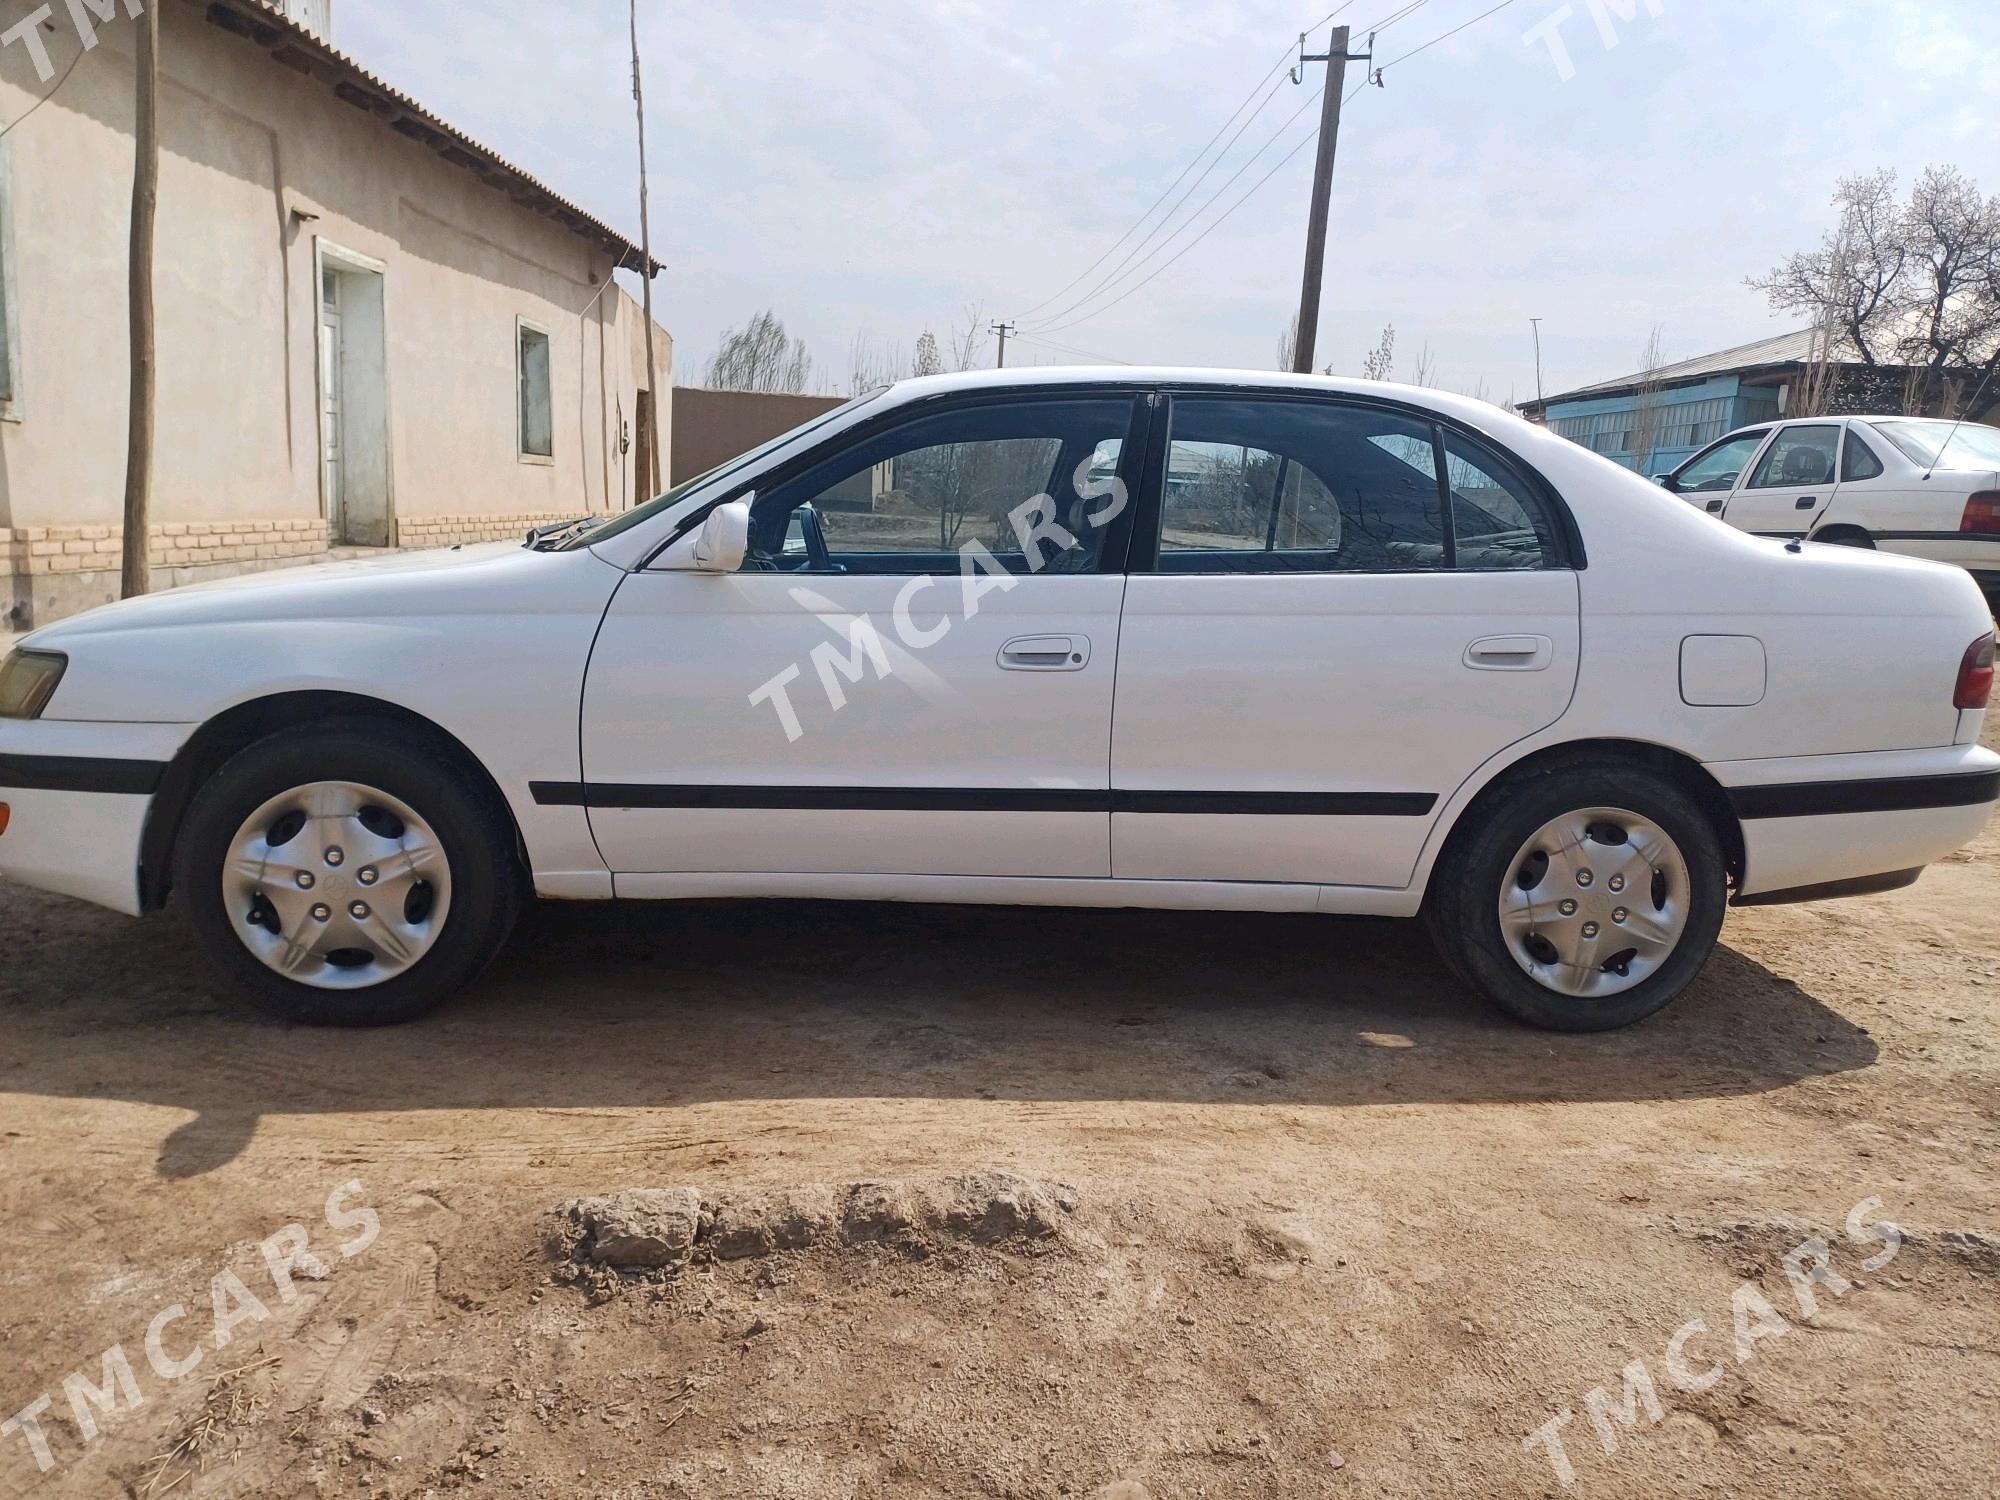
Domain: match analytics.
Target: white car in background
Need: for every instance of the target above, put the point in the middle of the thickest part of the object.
(1375, 650)
(1914, 485)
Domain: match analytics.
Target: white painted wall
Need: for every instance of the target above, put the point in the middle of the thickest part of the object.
(249, 149)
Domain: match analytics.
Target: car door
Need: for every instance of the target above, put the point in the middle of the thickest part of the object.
(1709, 478)
(911, 675)
(1338, 610)
(1791, 483)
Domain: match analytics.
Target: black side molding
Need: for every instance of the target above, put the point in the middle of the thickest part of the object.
(1860, 885)
(81, 773)
(982, 799)
(1809, 799)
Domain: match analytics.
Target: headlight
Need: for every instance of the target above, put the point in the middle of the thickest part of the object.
(27, 681)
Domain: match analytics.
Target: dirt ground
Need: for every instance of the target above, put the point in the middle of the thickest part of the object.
(1330, 1226)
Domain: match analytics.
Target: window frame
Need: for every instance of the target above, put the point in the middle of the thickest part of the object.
(522, 327)
(1748, 483)
(1567, 542)
(1852, 434)
(1111, 557)
(1761, 434)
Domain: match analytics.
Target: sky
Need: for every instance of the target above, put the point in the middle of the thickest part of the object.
(873, 169)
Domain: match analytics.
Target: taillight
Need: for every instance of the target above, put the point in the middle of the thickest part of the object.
(1982, 512)
(1975, 675)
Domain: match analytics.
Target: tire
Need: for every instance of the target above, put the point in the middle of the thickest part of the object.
(1846, 536)
(1489, 858)
(295, 801)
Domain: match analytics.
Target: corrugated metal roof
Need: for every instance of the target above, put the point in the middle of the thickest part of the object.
(1783, 349)
(295, 47)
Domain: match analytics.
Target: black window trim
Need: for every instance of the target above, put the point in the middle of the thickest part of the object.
(1118, 536)
(1145, 542)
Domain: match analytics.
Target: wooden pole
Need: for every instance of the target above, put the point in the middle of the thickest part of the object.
(646, 274)
(1322, 196)
(136, 574)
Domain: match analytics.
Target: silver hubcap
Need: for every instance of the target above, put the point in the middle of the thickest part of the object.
(1595, 902)
(337, 886)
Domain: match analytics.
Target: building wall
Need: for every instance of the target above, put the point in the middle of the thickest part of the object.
(712, 427)
(1689, 419)
(262, 172)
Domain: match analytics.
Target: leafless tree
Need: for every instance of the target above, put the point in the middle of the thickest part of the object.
(1899, 286)
(1288, 346)
(1380, 363)
(1424, 372)
(870, 365)
(1647, 407)
(968, 337)
(760, 356)
(927, 360)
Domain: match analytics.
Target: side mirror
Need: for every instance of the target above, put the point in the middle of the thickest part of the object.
(1668, 483)
(719, 547)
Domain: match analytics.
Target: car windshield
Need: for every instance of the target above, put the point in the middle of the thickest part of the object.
(638, 515)
(1972, 446)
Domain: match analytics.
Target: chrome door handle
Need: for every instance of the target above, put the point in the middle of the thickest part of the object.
(1045, 653)
(1510, 653)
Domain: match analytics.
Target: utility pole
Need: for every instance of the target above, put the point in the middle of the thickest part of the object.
(1336, 58)
(652, 417)
(1536, 324)
(136, 576)
(1003, 329)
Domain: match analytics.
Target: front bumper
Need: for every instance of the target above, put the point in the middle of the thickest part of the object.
(1833, 821)
(77, 796)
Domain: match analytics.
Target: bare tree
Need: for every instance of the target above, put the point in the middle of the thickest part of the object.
(1424, 372)
(1288, 346)
(870, 366)
(968, 337)
(1647, 407)
(1381, 361)
(1901, 286)
(760, 356)
(927, 360)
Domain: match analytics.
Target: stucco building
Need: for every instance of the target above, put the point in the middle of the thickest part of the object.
(371, 330)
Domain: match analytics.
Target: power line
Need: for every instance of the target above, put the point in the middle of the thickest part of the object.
(1283, 161)
(1053, 323)
(1116, 273)
(1275, 69)
(1042, 343)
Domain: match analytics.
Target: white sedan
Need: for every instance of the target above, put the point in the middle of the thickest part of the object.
(1088, 638)
(1914, 485)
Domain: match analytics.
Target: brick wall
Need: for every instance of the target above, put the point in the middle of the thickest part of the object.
(31, 550)
(90, 549)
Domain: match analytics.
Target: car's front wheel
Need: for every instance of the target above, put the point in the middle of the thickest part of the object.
(1583, 897)
(347, 874)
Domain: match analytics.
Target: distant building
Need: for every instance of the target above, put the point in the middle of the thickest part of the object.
(372, 331)
(1699, 400)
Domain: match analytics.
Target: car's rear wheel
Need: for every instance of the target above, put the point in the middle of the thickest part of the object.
(1582, 897)
(347, 874)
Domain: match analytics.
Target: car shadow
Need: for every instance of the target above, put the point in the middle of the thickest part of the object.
(671, 1005)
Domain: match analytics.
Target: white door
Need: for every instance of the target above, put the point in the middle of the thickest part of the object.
(898, 682)
(330, 366)
(1791, 483)
(1312, 659)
